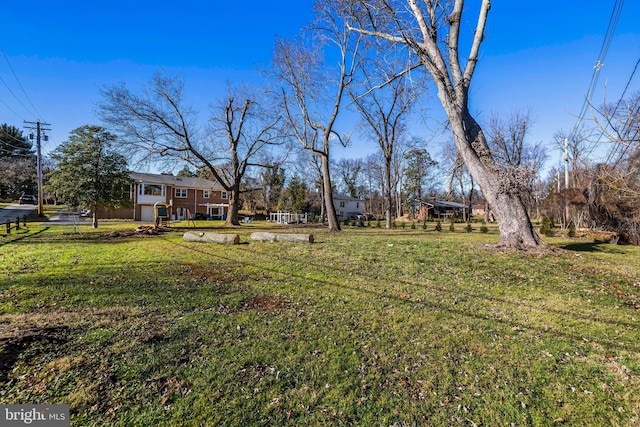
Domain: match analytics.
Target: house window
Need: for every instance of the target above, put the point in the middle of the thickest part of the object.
(181, 193)
(223, 194)
(342, 204)
(151, 189)
(357, 205)
(205, 194)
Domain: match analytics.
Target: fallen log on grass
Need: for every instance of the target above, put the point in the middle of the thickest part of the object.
(206, 237)
(263, 236)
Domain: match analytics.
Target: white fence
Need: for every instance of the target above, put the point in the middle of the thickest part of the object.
(288, 218)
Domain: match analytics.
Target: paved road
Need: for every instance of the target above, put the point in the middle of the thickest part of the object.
(60, 218)
(13, 211)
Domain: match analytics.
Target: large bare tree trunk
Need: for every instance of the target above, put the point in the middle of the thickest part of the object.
(332, 218)
(388, 198)
(430, 29)
(500, 188)
(234, 206)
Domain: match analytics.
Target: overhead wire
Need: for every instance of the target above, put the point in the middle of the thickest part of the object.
(7, 147)
(14, 95)
(12, 110)
(616, 12)
(31, 110)
(599, 64)
(613, 152)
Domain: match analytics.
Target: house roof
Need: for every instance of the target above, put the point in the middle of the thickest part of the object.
(176, 181)
(337, 196)
(449, 204)
(444, 204)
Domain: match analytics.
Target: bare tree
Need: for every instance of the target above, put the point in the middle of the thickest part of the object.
(508, 140)
(18, 176)
(383, 105)
(350, 173)
(430, 32)
(156, 124)
(459, 180)
(373, 182)
(613, 194)
(312, 93)
(578, 147)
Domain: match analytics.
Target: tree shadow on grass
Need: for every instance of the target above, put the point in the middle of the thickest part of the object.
(441, 306)
(595, 246)
(24, 236)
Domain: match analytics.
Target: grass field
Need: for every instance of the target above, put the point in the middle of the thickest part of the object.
(363, 327)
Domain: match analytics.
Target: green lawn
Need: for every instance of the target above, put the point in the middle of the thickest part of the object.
(364, 327)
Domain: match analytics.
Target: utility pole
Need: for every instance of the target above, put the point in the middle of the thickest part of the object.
(566, 181)
(38, 127)
(566, 163)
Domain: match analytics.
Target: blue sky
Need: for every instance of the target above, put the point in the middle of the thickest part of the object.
(536, 55)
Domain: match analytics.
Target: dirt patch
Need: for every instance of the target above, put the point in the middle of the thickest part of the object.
(142, 230)
(18, 325)
(205, 273)
(13, 346)
(266, 303)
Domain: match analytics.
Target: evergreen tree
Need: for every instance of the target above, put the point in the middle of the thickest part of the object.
(273, 179)
(17, 163)
(294, 198)
(416, 172)
(89, 172)
(13, 143)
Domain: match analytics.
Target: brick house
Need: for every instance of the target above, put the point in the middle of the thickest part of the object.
(182, 195)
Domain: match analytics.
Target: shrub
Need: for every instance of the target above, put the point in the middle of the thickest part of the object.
(346, 221)
(572, 230)
(452, 226)
(424, 224)
(413, 225)
(468, 228)
(378, 224)
(484, 228)
(403, 224)
(438, 226)
(547, 226)
(393, 224)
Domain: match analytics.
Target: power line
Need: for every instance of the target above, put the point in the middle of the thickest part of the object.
(8, 135)
(15, 76)
(11, 109)
(626, 87)
(14, 95)
(599, 64)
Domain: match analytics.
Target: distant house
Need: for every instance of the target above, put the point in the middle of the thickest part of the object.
(443, 210)
(183, 196)
(347, 207)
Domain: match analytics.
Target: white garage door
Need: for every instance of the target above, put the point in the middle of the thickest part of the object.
(147, 213)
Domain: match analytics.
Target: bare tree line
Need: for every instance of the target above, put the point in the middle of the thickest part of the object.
(375, 59)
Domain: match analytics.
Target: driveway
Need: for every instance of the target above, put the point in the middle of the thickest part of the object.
(13, 211)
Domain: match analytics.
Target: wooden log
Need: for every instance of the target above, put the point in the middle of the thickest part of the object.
(262, 236)
(206, 237)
